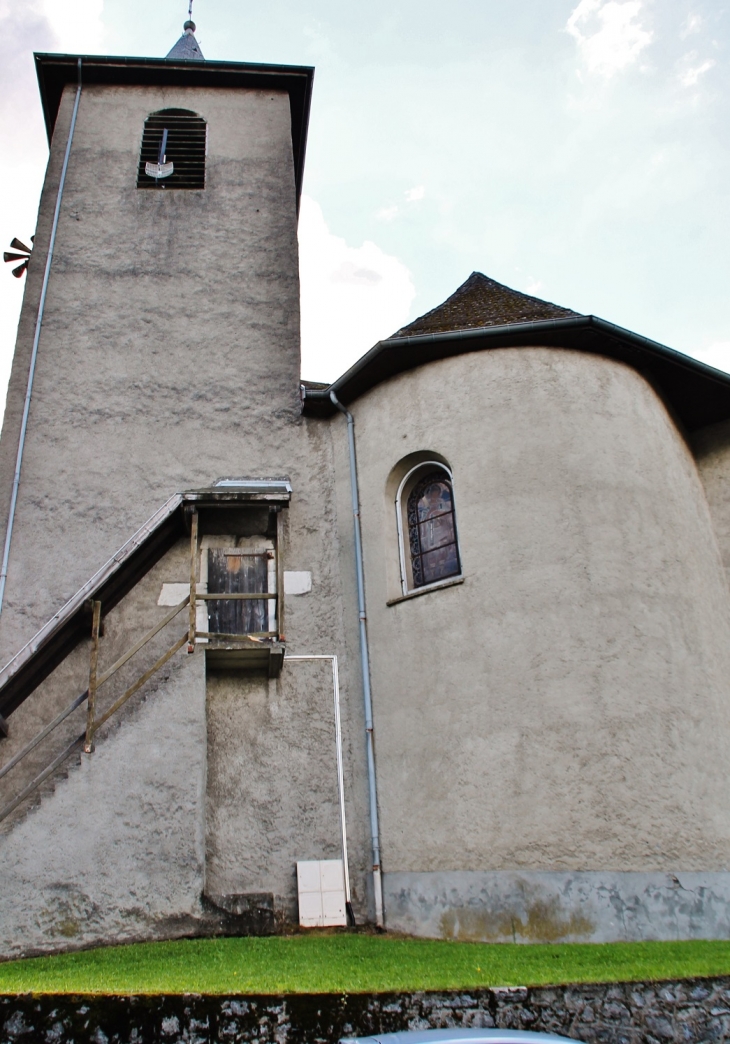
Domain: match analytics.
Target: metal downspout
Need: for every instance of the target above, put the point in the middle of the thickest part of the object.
(365, 663)
(34, 353)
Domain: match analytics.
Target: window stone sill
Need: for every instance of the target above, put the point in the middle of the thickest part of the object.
(417, 592)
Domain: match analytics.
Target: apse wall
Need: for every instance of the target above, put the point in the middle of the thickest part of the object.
(711, 447)
(560, 718)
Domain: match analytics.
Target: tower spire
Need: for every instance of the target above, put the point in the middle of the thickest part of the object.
(187, 47)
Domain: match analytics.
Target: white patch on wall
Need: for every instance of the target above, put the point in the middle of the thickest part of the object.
(173, 594)
(321, 887)
(297, 583)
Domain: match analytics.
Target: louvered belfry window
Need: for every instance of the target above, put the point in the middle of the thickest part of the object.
(184, 148)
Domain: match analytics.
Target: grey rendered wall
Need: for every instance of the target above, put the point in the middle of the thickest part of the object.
(113, 847)
(170, 346)
(170, 358)
(711, 447)
(272, 784)
(566, 707)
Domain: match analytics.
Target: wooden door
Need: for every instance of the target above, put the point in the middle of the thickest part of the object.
(234, 572)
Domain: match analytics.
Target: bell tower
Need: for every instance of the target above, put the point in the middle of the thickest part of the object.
(158, 345)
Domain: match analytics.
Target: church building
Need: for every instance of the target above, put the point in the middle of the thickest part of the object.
(443, 647)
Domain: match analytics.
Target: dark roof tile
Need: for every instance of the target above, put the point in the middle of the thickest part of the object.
(186, 49)
(482, 301)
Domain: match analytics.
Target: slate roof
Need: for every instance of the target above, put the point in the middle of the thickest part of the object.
(186, 49)
(480, 302)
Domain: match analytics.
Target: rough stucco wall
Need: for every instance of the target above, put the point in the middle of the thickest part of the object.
(711, 447)
(132, 618)
(113, 846)
(170, 358)
(272, 782)
(566, 707)
(18, 381)
(116, 852)
(170, 346)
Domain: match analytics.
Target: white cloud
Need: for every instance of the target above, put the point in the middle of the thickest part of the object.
(76, 24)
(692, 25)
(692, 73)
(414, 194)
(535, 286)
(320, 45)
(41, 25)
(387, 213)
(608, 34)
(716, 354)
(352, 297)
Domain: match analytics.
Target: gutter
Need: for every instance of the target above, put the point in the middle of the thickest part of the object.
(398, 354)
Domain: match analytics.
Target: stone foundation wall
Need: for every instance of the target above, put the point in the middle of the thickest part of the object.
(692, 1011)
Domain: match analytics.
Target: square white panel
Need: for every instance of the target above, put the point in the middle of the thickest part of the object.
(333, 908)
(309, 876)
(321, 886)
(332, 876)
(310, 910)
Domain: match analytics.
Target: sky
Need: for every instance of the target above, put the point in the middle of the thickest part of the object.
(577, 150)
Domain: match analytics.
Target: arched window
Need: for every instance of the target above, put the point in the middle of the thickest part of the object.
(427, 527)
(173, 151)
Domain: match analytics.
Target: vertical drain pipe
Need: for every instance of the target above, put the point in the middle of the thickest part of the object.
(365, 660)
(340, 774)
(34, 353)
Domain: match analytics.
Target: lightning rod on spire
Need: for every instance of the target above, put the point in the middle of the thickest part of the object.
(189, 26)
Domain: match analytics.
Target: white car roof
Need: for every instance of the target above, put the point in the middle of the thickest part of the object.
(457, 1036)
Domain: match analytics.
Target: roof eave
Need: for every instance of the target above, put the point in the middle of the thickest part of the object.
(583, 332)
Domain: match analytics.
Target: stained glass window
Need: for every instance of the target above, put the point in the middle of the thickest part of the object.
(432, 530)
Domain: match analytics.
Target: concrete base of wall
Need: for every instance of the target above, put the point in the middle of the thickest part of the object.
(530, 907)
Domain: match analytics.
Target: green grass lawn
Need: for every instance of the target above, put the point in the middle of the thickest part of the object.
(355, 963)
